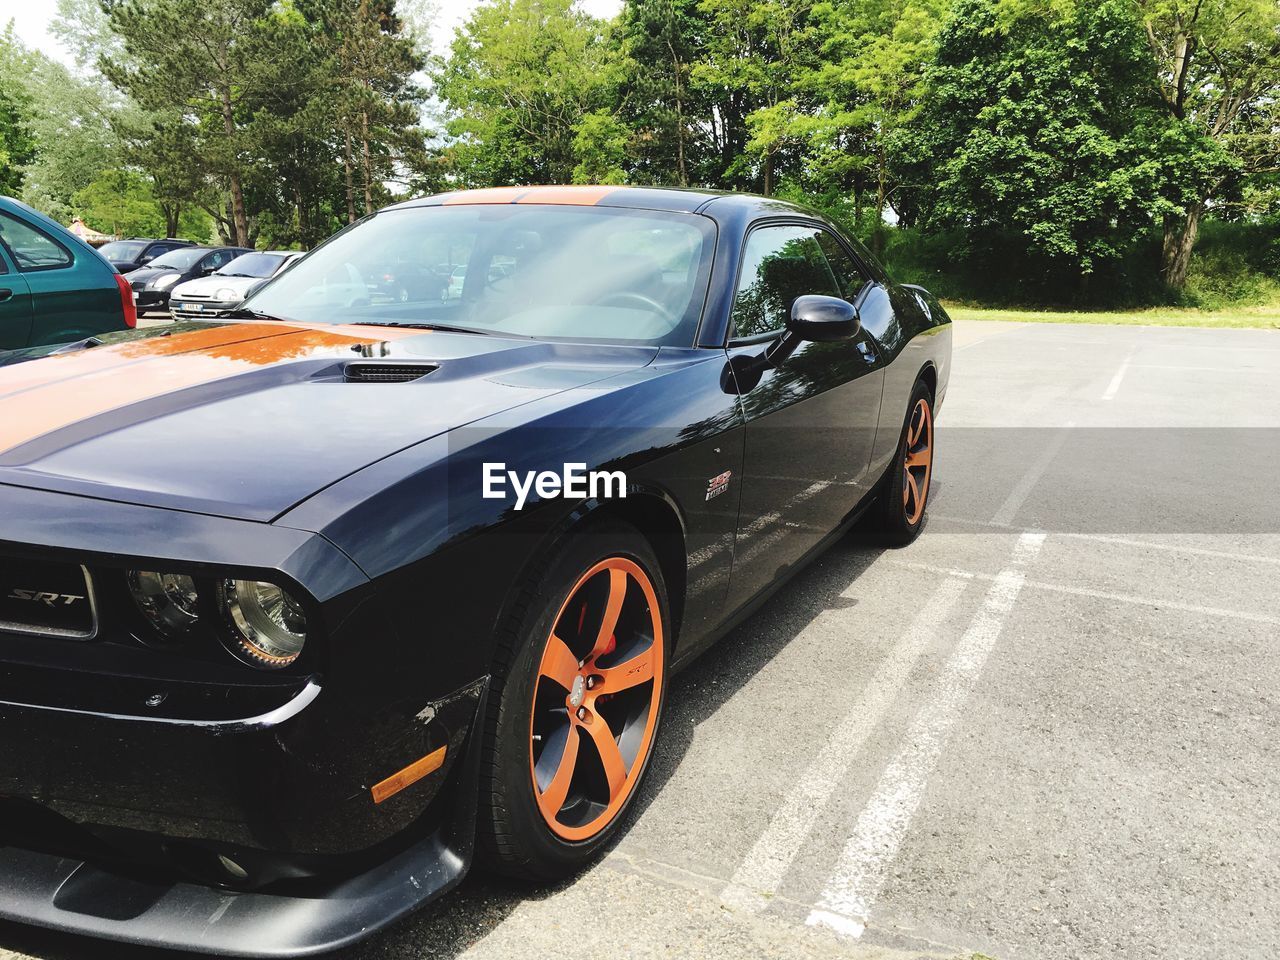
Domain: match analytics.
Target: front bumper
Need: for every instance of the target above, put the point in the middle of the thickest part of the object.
(72, 896)
(146, 299)
(130, 775)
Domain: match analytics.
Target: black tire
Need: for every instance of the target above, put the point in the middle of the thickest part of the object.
(513, 833)
(897, 517)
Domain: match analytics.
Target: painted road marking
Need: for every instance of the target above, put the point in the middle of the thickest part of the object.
(846, 901)
(1114, 386)
(1119, 541)
(1009, 509)
(766, 864)
(1097, 594)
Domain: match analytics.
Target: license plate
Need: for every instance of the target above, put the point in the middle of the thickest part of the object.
(197, 307)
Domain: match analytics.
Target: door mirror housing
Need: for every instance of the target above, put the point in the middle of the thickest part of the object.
(823, 319)
(815, 318)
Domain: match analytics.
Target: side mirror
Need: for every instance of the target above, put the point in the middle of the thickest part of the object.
(823, 319)
(817, 319)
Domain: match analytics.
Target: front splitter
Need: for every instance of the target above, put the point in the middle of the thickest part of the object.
(72, 896)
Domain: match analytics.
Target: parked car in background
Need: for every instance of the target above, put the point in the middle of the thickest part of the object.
(54, 287)
(153, 283)
(227, 287)
(134, 252)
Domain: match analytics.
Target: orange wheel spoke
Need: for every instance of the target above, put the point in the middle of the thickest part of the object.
(635, 671)
(918, 458)
(612, 609)
(615, 770)
(552, 798)
(559, 663)
(913, 490)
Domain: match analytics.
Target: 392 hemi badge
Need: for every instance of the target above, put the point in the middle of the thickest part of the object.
(718, 485)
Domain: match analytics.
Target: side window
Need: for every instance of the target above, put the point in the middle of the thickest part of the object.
(779, 264)
(32, 249)
(219, 259)
(849, 276)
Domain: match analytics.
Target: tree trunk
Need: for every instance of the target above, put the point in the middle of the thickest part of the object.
(368, 161)
(877, 227)
(1179, 239)
(239, 217)
(347, 173)
(171, 214)
(768, 175)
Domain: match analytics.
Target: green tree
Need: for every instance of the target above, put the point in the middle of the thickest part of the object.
(1218, 65)
(520, 77)
(659, 42)
(601, 143)
(120, 202)
(1044, 128)
(755, 52)
(202, 58)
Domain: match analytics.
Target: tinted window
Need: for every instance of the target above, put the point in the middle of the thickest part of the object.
(778, 265)
(848, 274)
(543, 271)
(183, 259)
(32, 249)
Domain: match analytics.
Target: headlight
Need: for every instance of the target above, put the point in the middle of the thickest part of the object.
(168, 600)
(226, 293)
(269, 625)
(165, 282)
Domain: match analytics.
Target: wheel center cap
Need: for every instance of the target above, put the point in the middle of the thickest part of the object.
(575, 694)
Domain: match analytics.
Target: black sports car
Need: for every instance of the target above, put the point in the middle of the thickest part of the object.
(302, 612)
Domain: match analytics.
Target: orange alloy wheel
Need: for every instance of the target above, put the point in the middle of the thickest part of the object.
(918, 462)
(596, 699)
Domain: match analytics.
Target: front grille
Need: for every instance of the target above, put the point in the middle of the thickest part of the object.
(47, 598)
(386, 372)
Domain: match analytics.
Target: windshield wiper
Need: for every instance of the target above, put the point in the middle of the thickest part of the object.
(441, 327)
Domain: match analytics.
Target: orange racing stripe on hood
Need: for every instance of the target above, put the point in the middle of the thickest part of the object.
(44, 405)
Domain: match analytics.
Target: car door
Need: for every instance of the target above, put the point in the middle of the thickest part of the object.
(15, 306)
(810, 422)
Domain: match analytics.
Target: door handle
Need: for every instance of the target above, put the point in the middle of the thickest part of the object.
(5, 294)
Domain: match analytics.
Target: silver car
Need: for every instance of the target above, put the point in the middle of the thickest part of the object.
(227, 288)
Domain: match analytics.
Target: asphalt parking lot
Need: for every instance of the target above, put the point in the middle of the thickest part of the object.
(1045, 730)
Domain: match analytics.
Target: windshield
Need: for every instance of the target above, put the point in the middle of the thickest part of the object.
(179, 259)
(122, 249)
(549, 272)
(252, 265)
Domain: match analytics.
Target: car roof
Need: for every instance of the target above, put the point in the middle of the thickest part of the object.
(680, 199)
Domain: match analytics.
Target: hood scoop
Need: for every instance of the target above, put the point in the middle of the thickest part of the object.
(366, 371)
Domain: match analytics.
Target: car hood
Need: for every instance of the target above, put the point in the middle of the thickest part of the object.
(147, 274)
(247, 420)
(208, 286)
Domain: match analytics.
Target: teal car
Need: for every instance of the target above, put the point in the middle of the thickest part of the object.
(54, 287)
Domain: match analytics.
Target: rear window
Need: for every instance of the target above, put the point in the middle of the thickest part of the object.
(30, 248)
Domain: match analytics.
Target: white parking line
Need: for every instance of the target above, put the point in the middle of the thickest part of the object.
(846, 901)
(766, 864)
(1158, 603)
(1114, 387)
(1184, 548)
(1009, 509)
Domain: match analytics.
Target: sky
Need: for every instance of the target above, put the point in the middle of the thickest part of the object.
(31, 19)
